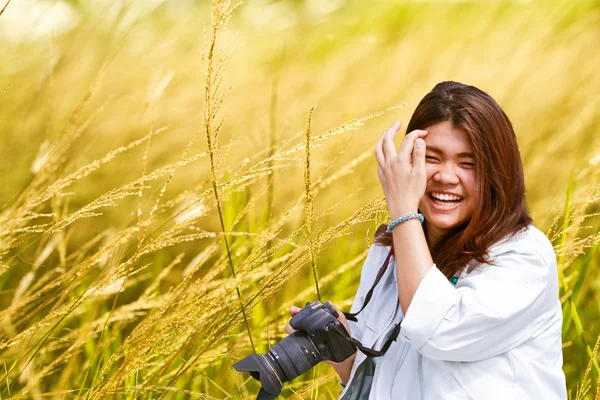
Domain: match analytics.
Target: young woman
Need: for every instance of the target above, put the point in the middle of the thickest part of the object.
(472, 283)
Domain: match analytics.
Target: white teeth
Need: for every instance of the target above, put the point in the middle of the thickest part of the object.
(444, 196)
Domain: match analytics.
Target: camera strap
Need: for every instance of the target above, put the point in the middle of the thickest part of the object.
(372, 352)
(352, 317)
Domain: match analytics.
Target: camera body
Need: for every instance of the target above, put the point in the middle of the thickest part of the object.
(319, 320)
(319, 337)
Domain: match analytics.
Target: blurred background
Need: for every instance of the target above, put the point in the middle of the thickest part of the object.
(118, 119)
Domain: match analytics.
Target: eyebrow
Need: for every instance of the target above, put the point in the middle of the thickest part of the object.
(439, 151)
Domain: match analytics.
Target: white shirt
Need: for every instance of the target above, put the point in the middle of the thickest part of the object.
(495, 335)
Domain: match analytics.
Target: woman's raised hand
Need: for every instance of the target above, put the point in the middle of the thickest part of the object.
(402, 173)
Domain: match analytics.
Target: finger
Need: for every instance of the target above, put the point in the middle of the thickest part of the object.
(294, 310)
(289, 330)
(379, 154)
(342, 318)
(389, 147)
(380, 175)
(341, 315)
(409, 140)
(418, 157)
(406, 147)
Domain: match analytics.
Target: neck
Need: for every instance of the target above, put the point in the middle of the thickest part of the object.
(434, 235)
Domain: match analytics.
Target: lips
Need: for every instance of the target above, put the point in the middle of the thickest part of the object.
(444, 201)
(441, 196)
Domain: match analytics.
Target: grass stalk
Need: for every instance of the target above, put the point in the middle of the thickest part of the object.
(97, 345)
(220, 14)
(140, 234)
(7, 382)
(597, 397)
(570, 313)
(586, 382)
(4, 8)
(573, 314)
(308, 208)
(213, 382)
(272, 143)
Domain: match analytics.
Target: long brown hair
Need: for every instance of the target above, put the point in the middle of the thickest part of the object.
(500, 205)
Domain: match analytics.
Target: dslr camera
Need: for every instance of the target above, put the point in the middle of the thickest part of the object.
(319, 336)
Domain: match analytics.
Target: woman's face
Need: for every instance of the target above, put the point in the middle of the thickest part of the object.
(451, 190)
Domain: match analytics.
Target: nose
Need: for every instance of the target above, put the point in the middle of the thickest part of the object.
(446, 175)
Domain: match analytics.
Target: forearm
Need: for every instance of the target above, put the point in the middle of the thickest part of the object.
(413, 259)
(344, 368)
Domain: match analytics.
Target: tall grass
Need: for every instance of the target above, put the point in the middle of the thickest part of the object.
(140, 261)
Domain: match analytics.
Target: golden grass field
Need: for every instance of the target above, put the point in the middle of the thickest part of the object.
(176, 174)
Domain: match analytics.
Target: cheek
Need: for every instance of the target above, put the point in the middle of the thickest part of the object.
(470, 182)
(430, 170)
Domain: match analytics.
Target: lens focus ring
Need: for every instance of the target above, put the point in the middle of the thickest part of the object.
(296, 354)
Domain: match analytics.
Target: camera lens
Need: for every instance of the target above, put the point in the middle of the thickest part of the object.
(289, 358)
(296, 354)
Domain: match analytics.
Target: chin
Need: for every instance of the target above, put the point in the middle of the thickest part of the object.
(443, 222)
(445, 226)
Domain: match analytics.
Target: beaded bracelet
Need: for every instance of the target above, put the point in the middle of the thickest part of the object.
(395, 222)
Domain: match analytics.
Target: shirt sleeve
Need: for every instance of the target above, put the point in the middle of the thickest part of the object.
(490, 311)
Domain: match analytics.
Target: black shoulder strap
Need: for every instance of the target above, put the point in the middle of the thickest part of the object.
(371, 352)
(352, 316)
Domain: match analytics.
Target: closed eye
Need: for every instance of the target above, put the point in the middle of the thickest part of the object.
(431, 158)
(468, 164)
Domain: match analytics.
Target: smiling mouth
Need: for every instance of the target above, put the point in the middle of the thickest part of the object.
(445, 200)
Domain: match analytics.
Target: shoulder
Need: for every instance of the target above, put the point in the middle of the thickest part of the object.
(530, 243)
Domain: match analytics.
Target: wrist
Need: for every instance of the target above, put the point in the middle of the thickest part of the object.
(401, 207)
(405, 218)
(402, 211)
(344, 368)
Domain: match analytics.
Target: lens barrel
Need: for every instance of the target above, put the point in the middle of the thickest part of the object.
(288, 359)
(296, 354)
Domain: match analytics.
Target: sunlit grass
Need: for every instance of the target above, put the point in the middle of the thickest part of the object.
(165, 198)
